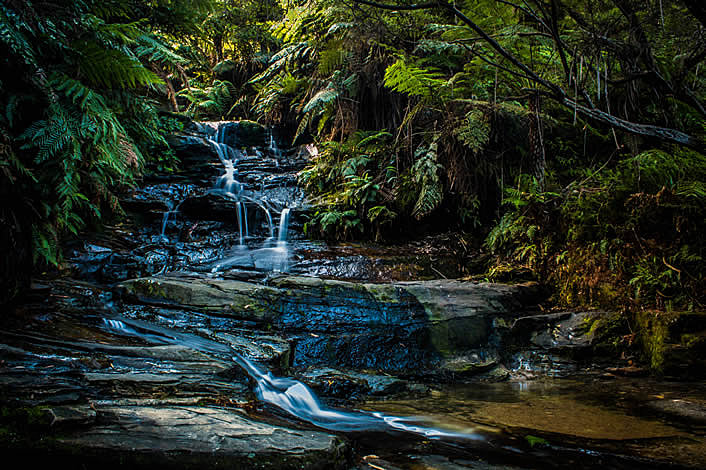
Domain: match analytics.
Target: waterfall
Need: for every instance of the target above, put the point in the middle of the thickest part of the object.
(272, 147)
(283, 225)
(227, 185)
(239, 209)
(165, 218)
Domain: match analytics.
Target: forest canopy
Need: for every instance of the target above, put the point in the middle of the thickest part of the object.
(564, 137)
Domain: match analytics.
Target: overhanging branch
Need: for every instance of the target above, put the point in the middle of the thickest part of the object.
(555, 91)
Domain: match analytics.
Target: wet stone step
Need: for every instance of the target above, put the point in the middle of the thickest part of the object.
(193, 437)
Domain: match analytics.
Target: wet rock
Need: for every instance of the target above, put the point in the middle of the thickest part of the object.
(245, 134)
(556, 331)
(397, 350)
(538, 362)
(273, 351)
(236, 298)
(629, 371)
(209, 437)
(686, 410)
(71, 415)
(349, 384)
(378, 326)
(470, 364)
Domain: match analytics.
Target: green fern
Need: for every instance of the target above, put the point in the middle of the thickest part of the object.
(474, 131)
(425, 173)
(413, 80)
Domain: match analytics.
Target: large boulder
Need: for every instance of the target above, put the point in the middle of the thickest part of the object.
(401, 326)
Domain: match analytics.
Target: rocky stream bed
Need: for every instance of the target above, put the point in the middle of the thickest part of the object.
(187, 337)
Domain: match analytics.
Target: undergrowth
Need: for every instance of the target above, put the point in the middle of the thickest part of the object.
(629, 235)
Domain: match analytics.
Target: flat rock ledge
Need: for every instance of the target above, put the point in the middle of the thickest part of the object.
(402, 326)
(315, 304)
(187, 437)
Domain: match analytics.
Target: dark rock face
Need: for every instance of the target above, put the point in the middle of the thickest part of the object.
(15, 243)
(243, 134)
(412, 327)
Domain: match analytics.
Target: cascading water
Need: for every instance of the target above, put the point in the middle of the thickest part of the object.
(173, 211)
(274, 258)
(283, 225)
(289, 395)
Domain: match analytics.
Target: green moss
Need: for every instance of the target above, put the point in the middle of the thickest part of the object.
(536, 441)
(653, 330)
(694, 342)
(147, 288)
(383, 293)
(251, 134)
(608, 333)
(23, 420)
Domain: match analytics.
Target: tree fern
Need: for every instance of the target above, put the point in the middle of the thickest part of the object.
(425, 173)
(77, 141)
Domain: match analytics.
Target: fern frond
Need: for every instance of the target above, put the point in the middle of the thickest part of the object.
(425, 173)
(412, 80)
(321, 99)
(112, 68)
(474, 130)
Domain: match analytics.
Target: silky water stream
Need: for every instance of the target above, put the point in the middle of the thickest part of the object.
(288, 395)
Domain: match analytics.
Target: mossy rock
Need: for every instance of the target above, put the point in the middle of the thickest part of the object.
(251, 134)
(673, 342)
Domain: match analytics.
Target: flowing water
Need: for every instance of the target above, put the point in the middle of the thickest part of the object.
(288, 395)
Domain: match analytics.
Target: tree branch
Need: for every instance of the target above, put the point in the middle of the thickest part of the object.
(556, 92)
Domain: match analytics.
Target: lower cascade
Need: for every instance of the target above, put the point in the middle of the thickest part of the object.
(288, 395)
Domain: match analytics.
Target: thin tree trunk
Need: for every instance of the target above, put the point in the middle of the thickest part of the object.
(536, 140)
(171, 94)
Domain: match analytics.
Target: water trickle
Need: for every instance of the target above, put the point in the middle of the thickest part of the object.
(173, 211)
(272, 147)
(283, 225)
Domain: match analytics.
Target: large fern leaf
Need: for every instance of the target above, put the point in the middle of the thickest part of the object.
(413, 80)
(425, 173)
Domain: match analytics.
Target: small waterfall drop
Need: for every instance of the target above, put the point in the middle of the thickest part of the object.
(172, 211)
(283, 225)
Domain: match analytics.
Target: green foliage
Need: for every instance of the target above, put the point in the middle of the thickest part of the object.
(351, 187)
(216, 101)
(413, 80)
(622, 235)
(474, 130)
(425, 173)
(85, 121)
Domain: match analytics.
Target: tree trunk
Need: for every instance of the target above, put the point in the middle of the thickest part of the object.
(15, 243)
(171, 93)
(536, 140)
